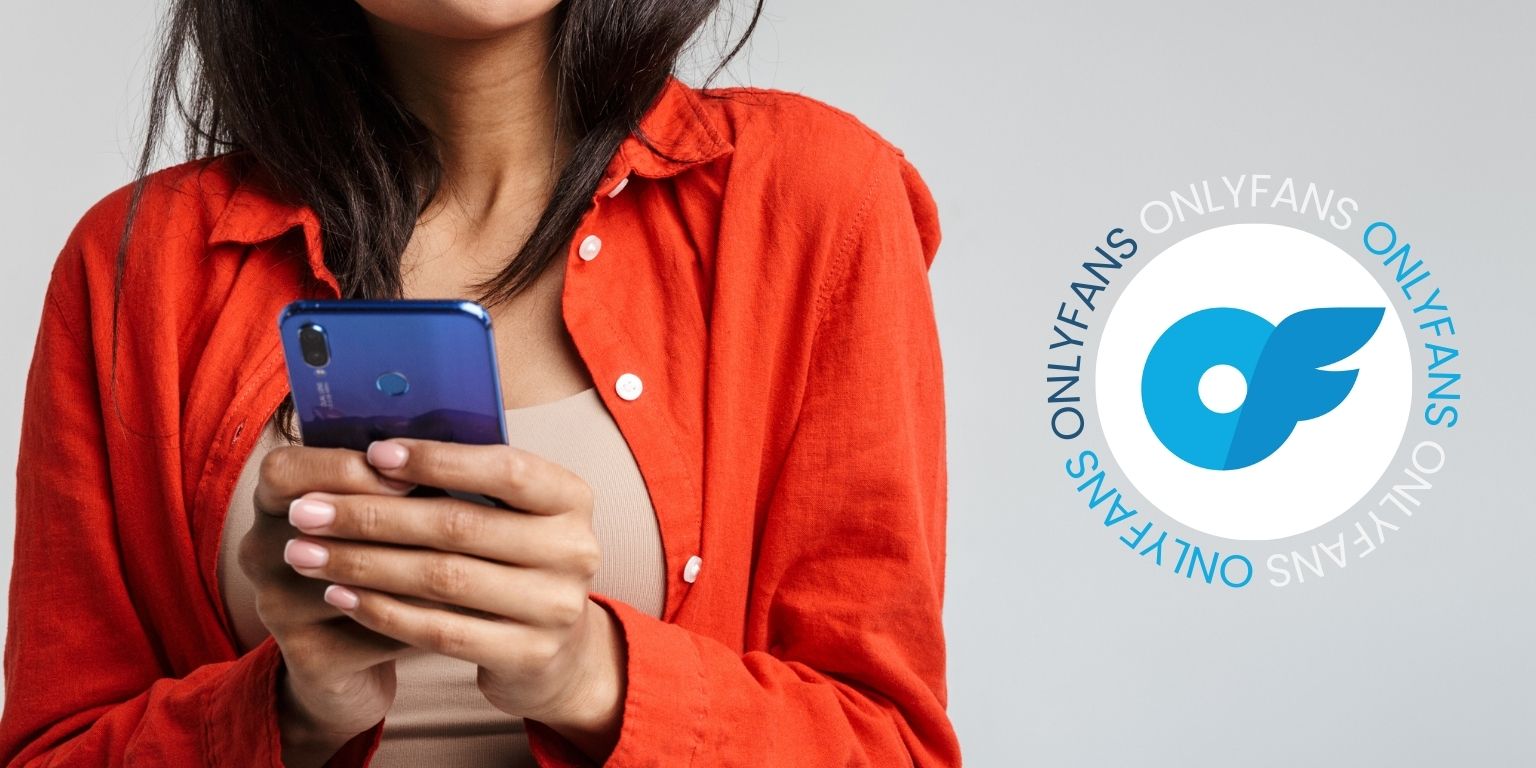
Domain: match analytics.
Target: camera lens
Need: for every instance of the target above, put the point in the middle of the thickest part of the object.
(312, 345)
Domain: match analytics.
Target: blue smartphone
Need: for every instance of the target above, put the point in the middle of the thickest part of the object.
(367, 370)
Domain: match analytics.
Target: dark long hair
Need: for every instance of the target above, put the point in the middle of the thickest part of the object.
(295, 90)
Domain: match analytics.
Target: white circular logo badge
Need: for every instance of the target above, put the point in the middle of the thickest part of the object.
(1254, 381)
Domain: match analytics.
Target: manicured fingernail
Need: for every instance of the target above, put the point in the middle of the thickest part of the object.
(309, 514)
(305, 554)
(386, 455)
(341, 597)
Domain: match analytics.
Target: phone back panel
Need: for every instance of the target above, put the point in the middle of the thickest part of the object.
(422, 369)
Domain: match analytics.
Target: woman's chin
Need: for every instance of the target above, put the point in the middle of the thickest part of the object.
(458, 19)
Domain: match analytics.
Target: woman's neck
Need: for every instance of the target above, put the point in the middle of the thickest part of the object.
(492, 106)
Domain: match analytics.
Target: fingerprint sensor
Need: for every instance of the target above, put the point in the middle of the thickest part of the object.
(392, 383)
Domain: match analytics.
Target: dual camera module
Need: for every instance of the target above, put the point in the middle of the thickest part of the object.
(313, 346)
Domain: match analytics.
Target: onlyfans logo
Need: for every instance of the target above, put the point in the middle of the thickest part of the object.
(1224, 388)
(1240, 399)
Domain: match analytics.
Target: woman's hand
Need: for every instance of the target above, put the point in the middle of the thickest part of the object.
(506, 589)
(338, 678)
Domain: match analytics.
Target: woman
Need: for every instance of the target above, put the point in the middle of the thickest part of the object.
(724, 388)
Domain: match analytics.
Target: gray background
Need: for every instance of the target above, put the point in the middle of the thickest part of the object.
(1038, 125)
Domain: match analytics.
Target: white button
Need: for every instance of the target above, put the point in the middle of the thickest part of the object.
(628, 386)
(619, 187)
(691, 569)
(589, 247)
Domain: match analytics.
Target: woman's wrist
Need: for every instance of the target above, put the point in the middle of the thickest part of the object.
(304, 742)
(591, 719)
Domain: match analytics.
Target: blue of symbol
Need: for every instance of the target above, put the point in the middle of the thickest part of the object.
(1280, 364)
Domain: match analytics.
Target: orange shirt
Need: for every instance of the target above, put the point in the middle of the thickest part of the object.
(764, 275)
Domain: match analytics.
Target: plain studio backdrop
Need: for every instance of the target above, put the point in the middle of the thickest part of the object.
(1038, 126)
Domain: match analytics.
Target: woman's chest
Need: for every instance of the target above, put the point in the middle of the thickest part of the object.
(537, 359)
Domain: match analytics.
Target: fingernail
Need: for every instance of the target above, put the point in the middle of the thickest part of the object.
(386, 455)
(310, 513)
(341, 597)
(399, 485)
(305, 554)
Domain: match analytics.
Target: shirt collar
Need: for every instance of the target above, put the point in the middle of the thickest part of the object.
(678, 134)
(675, 134)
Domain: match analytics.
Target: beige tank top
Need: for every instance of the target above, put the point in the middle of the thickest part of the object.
(439, 716)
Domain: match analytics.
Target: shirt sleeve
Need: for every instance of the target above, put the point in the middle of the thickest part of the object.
(84, 682)
(846, 661)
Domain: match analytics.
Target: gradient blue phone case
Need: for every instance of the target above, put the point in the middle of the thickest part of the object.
(402, 368)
